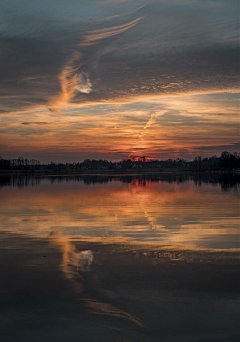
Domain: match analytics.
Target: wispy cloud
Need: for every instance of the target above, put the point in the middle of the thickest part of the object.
(120, 15)
(158, 56)
(69, 81)
(93, 37)
(150, 121)
(71, 78)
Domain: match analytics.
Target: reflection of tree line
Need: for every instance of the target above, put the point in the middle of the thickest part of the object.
(226, 180)
(226, 162)
(19, 181)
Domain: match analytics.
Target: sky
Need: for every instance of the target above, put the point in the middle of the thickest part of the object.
(111, 79)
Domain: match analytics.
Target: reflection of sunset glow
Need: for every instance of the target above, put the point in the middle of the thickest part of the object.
(70, 258)
(99, 308)
(157, 212)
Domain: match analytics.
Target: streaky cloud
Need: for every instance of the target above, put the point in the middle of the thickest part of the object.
(71, 79)
(94, 36)
(120, 15)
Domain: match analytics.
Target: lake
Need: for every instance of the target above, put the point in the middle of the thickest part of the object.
(150, 257)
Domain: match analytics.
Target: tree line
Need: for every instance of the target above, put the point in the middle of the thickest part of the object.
(19, 163)
(226, 162)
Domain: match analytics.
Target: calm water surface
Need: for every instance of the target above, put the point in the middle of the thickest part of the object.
(120, 258)
(167, 210)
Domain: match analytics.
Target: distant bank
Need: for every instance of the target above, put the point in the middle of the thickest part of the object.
(227, 162)
(65, 172)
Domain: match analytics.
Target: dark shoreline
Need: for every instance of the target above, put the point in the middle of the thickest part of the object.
(227, 180)
(50, 172)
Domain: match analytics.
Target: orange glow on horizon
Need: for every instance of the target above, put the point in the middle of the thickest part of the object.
(114, 131)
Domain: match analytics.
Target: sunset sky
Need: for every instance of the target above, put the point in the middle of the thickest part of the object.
(112, 79)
